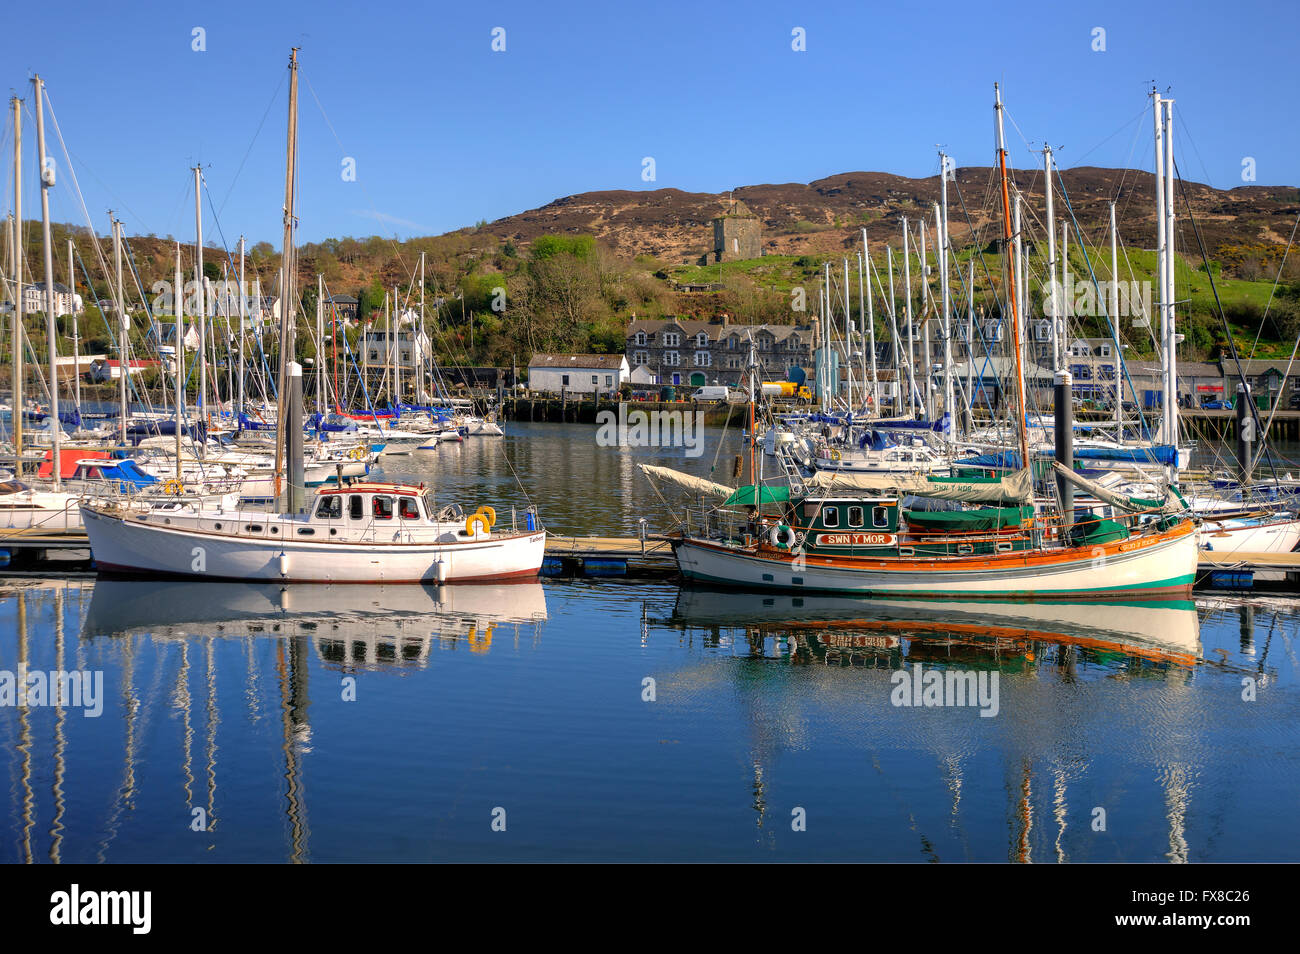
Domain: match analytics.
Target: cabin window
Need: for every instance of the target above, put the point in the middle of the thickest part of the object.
(383, 507)
(330, 508)
(408, 508)
(830, 516)
(356, 508)
(879, 517)
(855, 516)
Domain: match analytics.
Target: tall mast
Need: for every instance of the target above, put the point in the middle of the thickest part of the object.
(47, 245)
(848, 337)
(286, 277)
(1011, 279)
(201, 306)
(419, 387)
(893, 330)
(76, 332)
(1157, 112)
(320, 347)
(1055, 291)
(864, 269)
(911, 337)
(243, 314)
(1113, 301)
(123, 324)
(178, 308)
(926, 366)
(15, 249)
(1171, 337)
(941, 227)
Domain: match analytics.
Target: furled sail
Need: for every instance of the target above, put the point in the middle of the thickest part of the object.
(1171, 504)
(689, 482)
(1016, 487)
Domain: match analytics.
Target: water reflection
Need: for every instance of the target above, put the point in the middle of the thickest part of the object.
(167, 652)
(844, 630)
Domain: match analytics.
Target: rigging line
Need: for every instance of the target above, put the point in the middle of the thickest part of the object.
(253, 142)
(1232, 343)
(117, 200)
(1291, 361)
(410, 271)
(1142, 112)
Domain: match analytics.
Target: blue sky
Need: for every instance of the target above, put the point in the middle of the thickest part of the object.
(446, 132)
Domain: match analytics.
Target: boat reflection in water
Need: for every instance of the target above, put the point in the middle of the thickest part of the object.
(366, 627)
(881, 633)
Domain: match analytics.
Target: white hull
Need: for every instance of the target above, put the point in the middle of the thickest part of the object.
(1231, 536)
(1138, 566)
(124, 544)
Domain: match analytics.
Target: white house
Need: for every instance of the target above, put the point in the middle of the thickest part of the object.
(577, 373)
(65, 302)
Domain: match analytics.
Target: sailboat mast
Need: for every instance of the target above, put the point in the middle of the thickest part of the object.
(865, 269)
(1157, 112)
(1055, 296)
(945, 295)
(47, 245)
(15, 250)
(1114, 326)
(286, 277)
(911, 336)
(201, 305)
(320, 345)
(178, 308)
(76, 333)
(243, 314)
(123, 324)
(1171, 336)
(1011, 279)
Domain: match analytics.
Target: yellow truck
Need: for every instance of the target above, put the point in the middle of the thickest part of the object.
(786, 390)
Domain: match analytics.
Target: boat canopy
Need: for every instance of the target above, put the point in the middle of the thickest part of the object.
(1014, 488)
(966, 521)
(751, 496)
(1173, 502)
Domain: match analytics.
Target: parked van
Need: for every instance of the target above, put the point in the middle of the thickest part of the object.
(717, 392)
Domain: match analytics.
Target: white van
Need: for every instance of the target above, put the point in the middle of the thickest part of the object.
(718, 392)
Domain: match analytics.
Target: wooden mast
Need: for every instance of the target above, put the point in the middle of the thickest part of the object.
(1011, 280)
(286, 276)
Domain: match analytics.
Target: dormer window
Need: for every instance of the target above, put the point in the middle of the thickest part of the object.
(702, 340)
(640, 338)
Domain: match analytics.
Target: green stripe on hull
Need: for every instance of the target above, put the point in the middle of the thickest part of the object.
(1173, 583)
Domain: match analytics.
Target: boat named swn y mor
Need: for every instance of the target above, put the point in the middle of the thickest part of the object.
(859, 545)
(365, 533)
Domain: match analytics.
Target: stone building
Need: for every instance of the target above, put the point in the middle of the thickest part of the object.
(737, 235)
(690, 351)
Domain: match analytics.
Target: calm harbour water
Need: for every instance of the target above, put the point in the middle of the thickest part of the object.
(391, 724)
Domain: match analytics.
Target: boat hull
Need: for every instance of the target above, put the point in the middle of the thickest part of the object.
(122, 545)
(1163, 563)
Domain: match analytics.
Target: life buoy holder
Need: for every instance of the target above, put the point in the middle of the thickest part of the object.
(836, 456)
(174, 487)
(490, 513)
(357, 453)
(477, 518)
(781, 536)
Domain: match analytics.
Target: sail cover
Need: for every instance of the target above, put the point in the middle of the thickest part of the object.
(1171, 504)
(689, 482)
(1016, 487)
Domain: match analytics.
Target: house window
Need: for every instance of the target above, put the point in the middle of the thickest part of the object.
(374, 355)
(731, 343)
(564, 380)
(702, 340)
(671, 359)
(640, 337)
(640, 358)
(609, 380)
(764, 343)
(595, 379)
(1105, 350)
(672, 339)
(830, 517)
(1107, 372)
(703, 359)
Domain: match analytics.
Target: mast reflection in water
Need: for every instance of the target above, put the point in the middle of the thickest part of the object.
(620, 720)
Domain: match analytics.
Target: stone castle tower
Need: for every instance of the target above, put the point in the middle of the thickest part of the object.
(737, 234)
